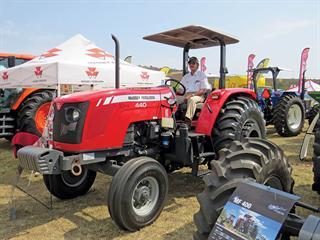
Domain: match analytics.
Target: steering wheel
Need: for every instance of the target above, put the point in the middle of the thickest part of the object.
(168, 83)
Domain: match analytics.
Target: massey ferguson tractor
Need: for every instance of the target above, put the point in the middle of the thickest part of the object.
(22, 109)
(137, 136)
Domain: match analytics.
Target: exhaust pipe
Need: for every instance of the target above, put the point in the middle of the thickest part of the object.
(76, 168)
(117, 57)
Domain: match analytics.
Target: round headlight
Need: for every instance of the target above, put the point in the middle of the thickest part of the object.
(72, 114)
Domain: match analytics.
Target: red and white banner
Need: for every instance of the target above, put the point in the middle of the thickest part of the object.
(303, 67)
(203, 67)
(249, 70)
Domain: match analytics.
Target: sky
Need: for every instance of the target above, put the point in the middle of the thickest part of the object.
(275, 29)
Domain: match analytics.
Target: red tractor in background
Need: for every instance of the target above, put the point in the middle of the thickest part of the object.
(136, 136)
(22, 109)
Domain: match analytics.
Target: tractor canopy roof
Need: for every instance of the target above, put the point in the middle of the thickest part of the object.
(194, 36)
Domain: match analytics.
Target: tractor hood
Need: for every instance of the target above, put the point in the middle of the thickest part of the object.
(104, 97)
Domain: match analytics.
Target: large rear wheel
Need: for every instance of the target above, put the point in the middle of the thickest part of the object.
(252, 160)
(289, 115)
(240, 117)
(316, 159)
(34, 111)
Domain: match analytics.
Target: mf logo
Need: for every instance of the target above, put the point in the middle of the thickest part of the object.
(98, 53)
(5, 75)
(51, 53)
(92, 73)
(38, 72)
(144, 76)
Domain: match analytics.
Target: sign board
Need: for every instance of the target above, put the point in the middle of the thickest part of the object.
(254, 212)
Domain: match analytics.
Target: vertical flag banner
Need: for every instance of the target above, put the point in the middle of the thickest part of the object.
(303, 67)
(263, 64)
(249, 70)
(203, 67)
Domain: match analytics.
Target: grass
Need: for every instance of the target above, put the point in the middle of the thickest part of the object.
(87, 217)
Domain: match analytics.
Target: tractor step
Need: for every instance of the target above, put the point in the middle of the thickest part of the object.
(206, 154)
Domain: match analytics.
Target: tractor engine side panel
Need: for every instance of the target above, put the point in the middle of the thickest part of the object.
(213, 105)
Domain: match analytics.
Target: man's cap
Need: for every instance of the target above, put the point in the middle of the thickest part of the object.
(193, 60)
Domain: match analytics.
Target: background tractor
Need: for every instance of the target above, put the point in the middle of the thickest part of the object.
(136, 136)
(286, 110)
(22, 109)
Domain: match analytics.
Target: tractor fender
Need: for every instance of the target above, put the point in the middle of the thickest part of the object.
(22, 139)
(26, 93)
(213, 105)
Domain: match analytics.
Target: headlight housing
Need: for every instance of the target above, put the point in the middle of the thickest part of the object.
(72, 114)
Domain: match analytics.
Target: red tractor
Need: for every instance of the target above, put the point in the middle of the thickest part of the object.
(136, 135)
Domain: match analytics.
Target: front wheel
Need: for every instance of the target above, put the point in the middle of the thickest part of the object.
(67, 186)
(252, 160)
(138, 193)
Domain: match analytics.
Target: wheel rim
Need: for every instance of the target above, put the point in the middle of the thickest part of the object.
(74, 181)
(41, 116)
(145, 196)
(294, 116)
(273, 182)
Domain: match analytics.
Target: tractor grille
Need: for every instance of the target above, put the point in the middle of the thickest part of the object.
(7, 124)
(69, 131)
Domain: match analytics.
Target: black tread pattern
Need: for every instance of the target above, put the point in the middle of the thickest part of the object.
(253, 159)
(60, 190)
(237, 117)
(316, 159)
(29, 108)
(280, 115)
(313, 112)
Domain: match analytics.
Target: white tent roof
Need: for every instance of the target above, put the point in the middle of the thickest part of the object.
(309, 86)
(77, 61)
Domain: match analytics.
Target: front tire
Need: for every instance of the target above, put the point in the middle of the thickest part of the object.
(240, 117)
(138, 193)
(252, 160)
(289, 115)
(68, 186)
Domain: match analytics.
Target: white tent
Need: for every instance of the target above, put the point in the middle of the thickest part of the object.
(77, 61)
(310, 86)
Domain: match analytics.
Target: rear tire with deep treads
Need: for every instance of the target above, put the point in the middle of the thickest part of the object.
(284, 126)
(240, 117)
(316, 159)
(28, 110)
(251, 160)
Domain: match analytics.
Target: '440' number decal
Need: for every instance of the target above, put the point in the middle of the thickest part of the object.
(141, 105)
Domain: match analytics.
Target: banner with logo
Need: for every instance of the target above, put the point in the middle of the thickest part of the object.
(249, 70)
(77, 61)
(203, 67)
(303, 67)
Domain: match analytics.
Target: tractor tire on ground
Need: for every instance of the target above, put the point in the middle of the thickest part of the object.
(313, 112)
(137, 193)
(252, 160)
(33, 112)
(316, 159)
(67, 185)
(288, 116)
(240, 117)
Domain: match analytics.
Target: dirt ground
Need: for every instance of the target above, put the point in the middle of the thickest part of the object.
(87, 217)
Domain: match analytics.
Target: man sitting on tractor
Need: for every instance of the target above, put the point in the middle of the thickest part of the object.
(197, 86)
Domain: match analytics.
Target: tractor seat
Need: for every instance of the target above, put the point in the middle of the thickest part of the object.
(184, 106)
